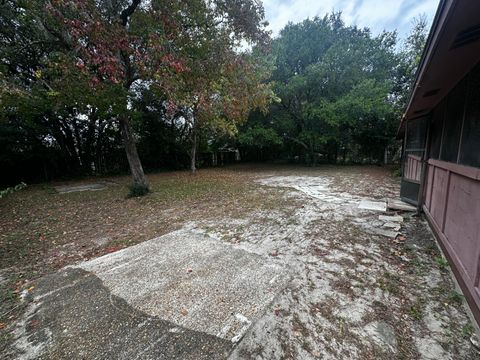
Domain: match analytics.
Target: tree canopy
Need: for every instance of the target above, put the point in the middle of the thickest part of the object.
(83, 82)
(342, 89)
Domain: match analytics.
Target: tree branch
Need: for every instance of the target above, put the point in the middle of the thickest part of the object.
(297, 141)
(129, 11)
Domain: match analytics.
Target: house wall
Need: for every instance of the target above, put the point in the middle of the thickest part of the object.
(451, 197)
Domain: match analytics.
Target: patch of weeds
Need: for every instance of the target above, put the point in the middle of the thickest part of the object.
(137, 190)
(11, 190)
(432, 249)
(391, 283)
(442, 263)
(455, 298)
(421, 268)
(467, 330)
(415, 311)
(397, 172)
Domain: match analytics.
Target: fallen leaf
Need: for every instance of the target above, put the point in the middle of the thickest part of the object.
(401, 237)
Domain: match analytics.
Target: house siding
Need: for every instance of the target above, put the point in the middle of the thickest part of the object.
(451, 197)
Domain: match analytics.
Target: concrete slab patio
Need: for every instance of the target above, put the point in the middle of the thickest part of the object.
(66, 189)
(312, 277)
(184, 287)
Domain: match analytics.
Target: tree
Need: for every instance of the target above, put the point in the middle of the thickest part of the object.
(409, 59)
(121, 46)
(319, 62)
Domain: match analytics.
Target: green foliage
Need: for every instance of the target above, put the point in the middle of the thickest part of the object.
(441, 262)
(11, 190)
(69, 70)
(468, 330)
(259, 137)
(340, 89)
(415, 311)
(179, 74)
(397, 172)
(455, 298)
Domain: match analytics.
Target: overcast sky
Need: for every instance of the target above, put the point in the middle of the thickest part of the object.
(375, 14)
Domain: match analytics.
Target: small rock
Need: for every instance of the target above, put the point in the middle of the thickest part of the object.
(315, 353)
(383, 334)
(184, 312)
(475, 341)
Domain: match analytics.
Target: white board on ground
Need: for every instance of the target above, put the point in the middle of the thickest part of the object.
(397, 204)
(373, 205)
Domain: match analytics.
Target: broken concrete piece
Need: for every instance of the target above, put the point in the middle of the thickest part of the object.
(383, 232)
(65, 189)
(390, 218)
(396, 204)
(392, 225)
(372, 205)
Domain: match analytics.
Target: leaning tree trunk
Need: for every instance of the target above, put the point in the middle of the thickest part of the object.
(136, 168)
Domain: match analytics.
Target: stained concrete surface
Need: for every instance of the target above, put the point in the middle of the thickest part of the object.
(193, 280)
(74, 316)
(184, 295)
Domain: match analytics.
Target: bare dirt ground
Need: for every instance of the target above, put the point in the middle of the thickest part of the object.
(353, 294)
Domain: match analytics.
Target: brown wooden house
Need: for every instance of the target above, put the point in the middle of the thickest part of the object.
(441, 149)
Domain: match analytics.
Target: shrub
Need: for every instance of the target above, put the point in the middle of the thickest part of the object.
(10, 190)
(397, 172)
(136, 190)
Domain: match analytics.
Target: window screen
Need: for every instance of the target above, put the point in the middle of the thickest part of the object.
(416, 134)
(436, 130)
(453, 123)
(414, 148)
(470, 147)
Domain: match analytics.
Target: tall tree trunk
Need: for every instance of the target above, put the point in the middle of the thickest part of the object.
(313, 160)
(136, 168)
(193, 152)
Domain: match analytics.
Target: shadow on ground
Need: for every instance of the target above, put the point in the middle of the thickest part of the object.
(74, 316)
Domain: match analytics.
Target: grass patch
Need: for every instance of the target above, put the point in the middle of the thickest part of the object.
(455, 298)
(467, 330)
(415, 311)
(442, 263)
